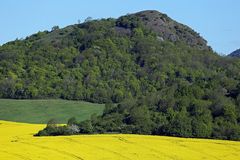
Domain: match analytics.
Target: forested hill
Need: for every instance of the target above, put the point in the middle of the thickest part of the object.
(103, 60)
(162, 73)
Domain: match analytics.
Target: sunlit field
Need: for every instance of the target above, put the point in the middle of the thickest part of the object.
(41, 111)
(17, 143)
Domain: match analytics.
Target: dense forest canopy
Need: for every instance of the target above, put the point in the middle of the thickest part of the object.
(155, 75)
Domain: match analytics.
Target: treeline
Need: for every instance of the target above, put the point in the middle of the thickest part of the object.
(151, 115)
(161, 87)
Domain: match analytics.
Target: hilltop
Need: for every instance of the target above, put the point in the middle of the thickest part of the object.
(154, 69)
(235, 53)
(168, 29)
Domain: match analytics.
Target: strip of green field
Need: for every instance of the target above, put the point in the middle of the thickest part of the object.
(40, 111)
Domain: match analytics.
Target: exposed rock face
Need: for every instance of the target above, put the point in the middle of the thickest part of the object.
(168, 29)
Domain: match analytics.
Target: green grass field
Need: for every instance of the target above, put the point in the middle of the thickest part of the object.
(40, 111)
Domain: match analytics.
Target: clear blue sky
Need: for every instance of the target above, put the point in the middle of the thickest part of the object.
(216, 20)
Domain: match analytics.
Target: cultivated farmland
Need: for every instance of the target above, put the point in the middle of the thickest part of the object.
(17, 143)
(41, 111)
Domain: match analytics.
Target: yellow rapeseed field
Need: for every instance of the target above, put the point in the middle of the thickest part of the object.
(17, 143)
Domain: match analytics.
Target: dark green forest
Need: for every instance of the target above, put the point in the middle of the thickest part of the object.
(155, 76)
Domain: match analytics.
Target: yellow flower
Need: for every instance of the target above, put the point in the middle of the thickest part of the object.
(17, 143)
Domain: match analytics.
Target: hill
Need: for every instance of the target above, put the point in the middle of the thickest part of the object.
(235, 53)
(18, 143)
(97, 61)
(41, 111)
(155, 69)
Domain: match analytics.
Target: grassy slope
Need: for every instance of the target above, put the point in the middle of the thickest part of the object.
(17, 143)
(40, 111)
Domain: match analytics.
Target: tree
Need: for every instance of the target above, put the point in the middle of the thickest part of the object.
(225, 130)
(52, 123)
(54, 28)
(109, 108)
(72, 121)
(140, 118)
(201, 119)
(88, 19)
(86, 127)
(179, 125)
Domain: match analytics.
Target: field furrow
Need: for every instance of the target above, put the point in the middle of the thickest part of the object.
(17, 143)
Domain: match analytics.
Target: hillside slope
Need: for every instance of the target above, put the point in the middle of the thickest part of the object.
(99, 60)
(17, 143)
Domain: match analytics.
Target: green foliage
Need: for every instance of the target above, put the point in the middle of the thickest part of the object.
(86, 127)
(129, 21)
(135, 116)
(201, 119)
(72, 121)
(179, 124)
(52, 123)
(140, 118)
